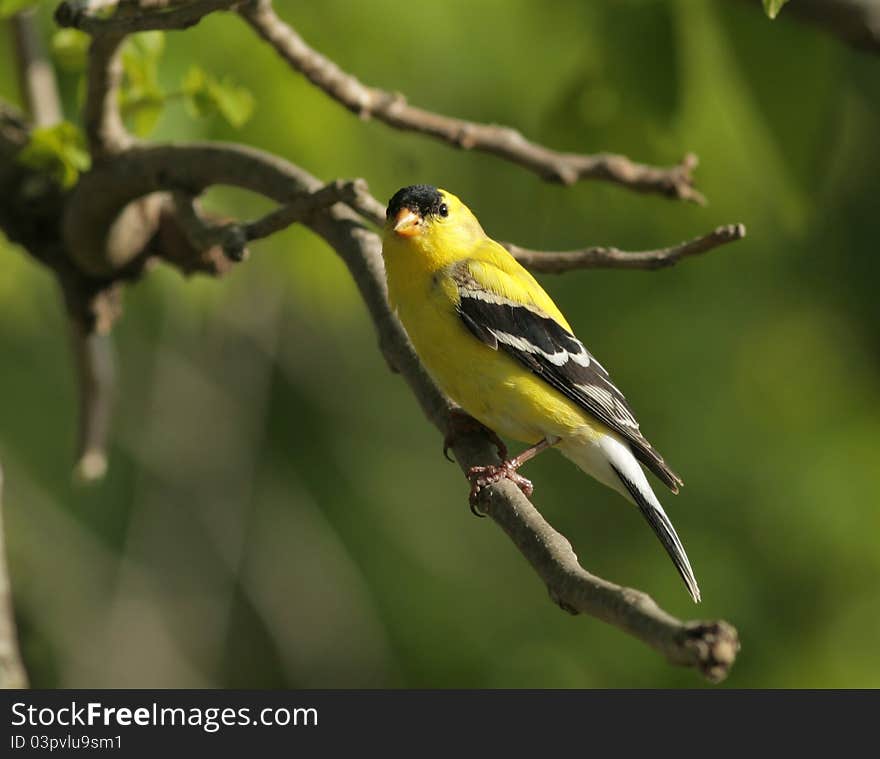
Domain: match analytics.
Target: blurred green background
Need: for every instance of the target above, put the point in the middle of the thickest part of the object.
(277, 512)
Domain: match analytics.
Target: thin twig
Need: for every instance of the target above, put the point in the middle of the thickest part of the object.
(39, 88)
(352, 192)
(12, 671)
(105, 130)
(360, 199)
(392, 109)
(556, 262)
(204, 233)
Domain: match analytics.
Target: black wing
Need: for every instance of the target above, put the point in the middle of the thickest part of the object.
(555, 355)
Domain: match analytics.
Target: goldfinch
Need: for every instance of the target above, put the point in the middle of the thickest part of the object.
(495, 343)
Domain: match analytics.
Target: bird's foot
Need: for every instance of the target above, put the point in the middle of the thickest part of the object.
(461, 424)
(483, 476)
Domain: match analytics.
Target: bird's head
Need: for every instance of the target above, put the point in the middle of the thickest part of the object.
(431, 221)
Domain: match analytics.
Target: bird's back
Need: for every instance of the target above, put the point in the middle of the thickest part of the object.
(517, 284)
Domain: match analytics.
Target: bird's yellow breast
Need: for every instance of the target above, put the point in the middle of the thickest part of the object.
(488, 384)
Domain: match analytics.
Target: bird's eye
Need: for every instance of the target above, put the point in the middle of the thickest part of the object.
(444, 210)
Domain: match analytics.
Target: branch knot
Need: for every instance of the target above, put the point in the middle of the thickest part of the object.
(715, 646)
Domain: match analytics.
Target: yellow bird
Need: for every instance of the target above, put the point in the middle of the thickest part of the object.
(496, 344)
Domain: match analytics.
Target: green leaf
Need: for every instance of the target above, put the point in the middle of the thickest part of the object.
(70, 47)
(235, 103)
(58, 150)
(205, 95)
(148, 45)
(194, 88)
(141, 97)
(11, 7)
(141, 106)
(143, 111)
(194, 80)
(140, 59)
(772, 7)
(200, 105)
(146, 116)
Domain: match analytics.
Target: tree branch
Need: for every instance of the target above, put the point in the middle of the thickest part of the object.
(39, 88)
(105, 131)
(391, 108)
(131, 16)
(708, 646)
(91, 306)
(12, 671)
(13, 130)
(146, 171)
(96, 371)
(14, 134)
(507, 143)
(353, 193)
(555, 262)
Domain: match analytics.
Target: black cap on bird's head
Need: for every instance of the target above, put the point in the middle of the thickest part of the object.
(410, 206)
(423, 199)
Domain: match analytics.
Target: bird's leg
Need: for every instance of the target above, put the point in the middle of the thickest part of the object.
(483, 476)
(461, 423)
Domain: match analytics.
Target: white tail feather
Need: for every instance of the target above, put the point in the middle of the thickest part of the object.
(609, 459)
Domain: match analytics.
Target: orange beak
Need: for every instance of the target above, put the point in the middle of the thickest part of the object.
(407, 223)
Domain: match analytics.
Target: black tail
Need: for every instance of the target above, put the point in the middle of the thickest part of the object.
(645, 453)
(664, 530)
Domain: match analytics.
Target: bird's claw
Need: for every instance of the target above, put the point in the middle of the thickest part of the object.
(447, 444)
(483, 476)
(461, 423)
